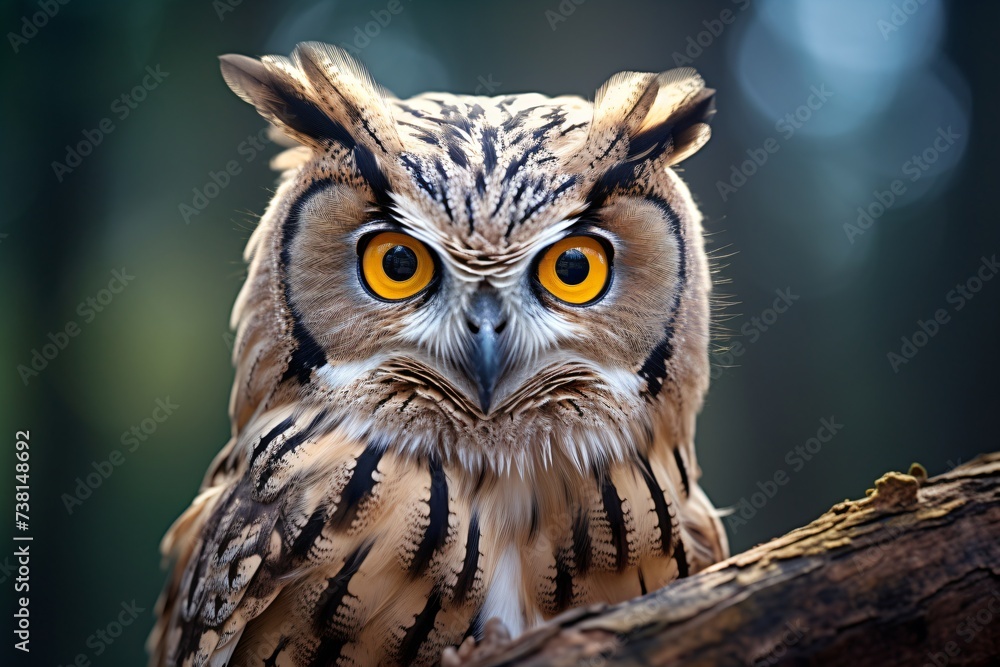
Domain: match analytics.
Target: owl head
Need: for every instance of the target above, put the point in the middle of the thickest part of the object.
(509, 282)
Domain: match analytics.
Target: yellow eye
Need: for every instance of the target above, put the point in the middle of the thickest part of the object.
(575, 270)
(396, 266)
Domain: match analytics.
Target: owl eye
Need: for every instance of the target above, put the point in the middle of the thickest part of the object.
(575, 269)
(395, 266)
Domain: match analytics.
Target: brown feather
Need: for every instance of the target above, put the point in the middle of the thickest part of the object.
(369, 509)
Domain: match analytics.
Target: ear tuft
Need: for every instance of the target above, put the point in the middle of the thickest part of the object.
(283, 98)
(245, 76)
(658, 116)
(318, 97)
(350, 94)
(678, 119)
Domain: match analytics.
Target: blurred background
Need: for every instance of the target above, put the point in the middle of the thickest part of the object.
(845, 191)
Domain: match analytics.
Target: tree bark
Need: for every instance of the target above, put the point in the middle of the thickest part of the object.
(908, 576)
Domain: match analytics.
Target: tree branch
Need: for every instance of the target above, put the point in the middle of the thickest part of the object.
(908, 576)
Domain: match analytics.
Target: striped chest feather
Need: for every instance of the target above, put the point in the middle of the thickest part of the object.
(314, 548)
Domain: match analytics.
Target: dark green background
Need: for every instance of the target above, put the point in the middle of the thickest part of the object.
(164, 336)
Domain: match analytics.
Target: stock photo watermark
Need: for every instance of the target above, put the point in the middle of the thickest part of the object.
(32, 23)
(103, 637)
(914, 169)
(967, 630)
(695, 45)
(797, 458)
(364, 34)
(900, 14)
(956, 299)
(22, 617)
(786, 126)
(223, 7)
(795, 630)
(487, 86)
(131, 440)
(752, 330)
(57, 341)
(561, 13)
(218, 180)
(7, 569)
(121, 108)
(23, 540)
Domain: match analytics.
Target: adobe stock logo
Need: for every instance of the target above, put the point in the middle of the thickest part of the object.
(695, 45)
(202, 196)
(787, 126)
(381, 18)
(958, 298)
(131, 441)
(752, 330)
(122, 107)
(88, 310)
(107, 634)
(562, 12)
(797, 458)
(223, 7)
(914, 169)
(30, 25)
(900, 14)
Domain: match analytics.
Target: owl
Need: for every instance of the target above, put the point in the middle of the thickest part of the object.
(471, 347)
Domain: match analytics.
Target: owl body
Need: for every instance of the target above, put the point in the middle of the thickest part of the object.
(470, 351)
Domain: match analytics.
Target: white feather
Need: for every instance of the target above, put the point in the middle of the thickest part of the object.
(504, 596)
(338, 375)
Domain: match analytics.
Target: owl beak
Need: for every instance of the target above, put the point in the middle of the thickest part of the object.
(485, 320)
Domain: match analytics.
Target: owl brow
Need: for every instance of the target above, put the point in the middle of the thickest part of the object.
(587, 225)
(365, 162)
(617, 179)
(367, 167)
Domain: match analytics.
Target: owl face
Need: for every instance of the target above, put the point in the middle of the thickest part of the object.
(498, 280)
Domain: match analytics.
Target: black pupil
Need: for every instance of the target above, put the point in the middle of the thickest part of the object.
(399, 263)
(572, 267)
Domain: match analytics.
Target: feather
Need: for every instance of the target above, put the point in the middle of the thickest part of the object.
(367, 509)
